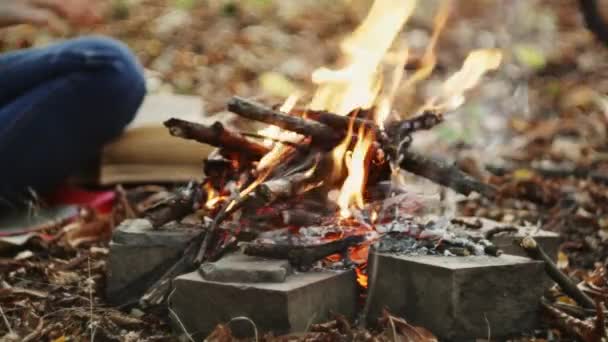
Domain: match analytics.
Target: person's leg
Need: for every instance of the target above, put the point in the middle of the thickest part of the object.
(58, 106)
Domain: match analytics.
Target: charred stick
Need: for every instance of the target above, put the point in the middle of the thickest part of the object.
(158, 292)
(533, 249)
(300, 217)
(181, 203)
(215, 135)
(425, 121)
(210, 237)
(302, 256)
(445, 174)
(339, 122)
(284, 187)
(321, 134)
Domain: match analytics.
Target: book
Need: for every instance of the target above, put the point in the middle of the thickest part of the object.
(147, 153)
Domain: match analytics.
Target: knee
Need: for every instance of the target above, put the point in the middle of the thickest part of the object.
(116, 75)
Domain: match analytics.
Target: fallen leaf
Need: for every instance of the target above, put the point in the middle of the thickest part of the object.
(78, 233)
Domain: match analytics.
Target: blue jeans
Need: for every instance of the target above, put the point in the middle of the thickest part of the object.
(59, 105)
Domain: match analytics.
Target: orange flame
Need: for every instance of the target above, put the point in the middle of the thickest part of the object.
(358, 83)
(354, 185)
(361, 278)
(477, 63)
(213, 196)
(278, 150)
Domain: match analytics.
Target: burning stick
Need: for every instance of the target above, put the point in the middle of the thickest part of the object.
(445, 174)
(215, 135)
(302, 256)
(320, 133)
(339, 122)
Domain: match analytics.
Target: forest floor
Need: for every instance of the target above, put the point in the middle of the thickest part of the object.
(540, 123)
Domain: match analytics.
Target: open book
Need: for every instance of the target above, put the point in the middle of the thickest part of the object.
(147, 153)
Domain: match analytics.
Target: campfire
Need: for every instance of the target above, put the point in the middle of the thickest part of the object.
(319, 183)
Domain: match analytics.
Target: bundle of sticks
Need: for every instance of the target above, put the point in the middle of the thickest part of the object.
(303, 166)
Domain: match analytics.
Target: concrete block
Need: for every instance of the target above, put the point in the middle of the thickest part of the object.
(507, 242)
(510, 234)
(291, 306)
(139, 255)
(246, 269)
(458, 297)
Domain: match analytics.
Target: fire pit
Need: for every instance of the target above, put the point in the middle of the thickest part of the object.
(317, 188)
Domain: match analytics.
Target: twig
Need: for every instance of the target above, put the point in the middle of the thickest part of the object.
(445, 174)
(8, 325)
(570, 324)
(302, 256)
(178, 320)
(536, 252)
(181, 203)
(36, 334)
(224, 212)
(215, 135)
(157, 293)
(90, 282)
(485, 317)
(320, 133)
(249, 320)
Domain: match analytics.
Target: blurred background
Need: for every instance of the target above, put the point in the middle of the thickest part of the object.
(267, 49)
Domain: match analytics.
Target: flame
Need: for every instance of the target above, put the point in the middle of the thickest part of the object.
(429, 60)
(477, 63)
(213, 196)
(354, 185)
(361, 278)
(279, 150)
(358, 83)
(374, 217)
(261, 178)
(339, 152)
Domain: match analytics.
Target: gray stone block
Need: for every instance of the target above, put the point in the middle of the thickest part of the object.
(246, 269)
(507, 240)
(459, 298)
(291, 306)
(139, 255)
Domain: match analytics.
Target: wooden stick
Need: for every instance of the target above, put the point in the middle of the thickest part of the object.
(425, 121)
(215, 135)
(181, 203)
(158, 292)
(339, 122)
(284, 187)
(445, 174)
(533, 249)
(302, 256)
(321, 134)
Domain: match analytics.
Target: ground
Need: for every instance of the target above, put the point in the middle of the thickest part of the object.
(544, 112)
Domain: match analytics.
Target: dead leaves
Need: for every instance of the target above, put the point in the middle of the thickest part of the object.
(391, 329)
